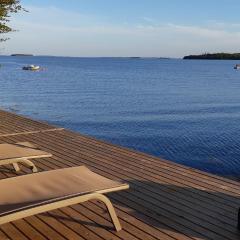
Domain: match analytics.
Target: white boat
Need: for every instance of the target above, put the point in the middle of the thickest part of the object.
(31, 68)
(237, 66)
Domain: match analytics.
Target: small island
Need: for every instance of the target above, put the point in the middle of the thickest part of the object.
(215, 56)
(21, 55)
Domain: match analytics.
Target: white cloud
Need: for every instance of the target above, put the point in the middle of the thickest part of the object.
(204, 32)
(149, 20)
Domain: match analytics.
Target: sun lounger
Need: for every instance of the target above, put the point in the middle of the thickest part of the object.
(20, 152)
(32, 194)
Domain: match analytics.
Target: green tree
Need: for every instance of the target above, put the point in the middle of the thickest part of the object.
(7, 7)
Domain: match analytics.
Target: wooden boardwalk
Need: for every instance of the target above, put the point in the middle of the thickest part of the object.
(166, 201)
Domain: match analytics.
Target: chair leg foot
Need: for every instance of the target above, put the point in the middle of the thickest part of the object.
(16, 167)
(34, 169)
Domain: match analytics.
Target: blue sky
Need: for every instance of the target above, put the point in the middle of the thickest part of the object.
(126, 27)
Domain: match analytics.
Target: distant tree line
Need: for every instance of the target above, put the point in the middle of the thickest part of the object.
(215, 56)
(7, 7)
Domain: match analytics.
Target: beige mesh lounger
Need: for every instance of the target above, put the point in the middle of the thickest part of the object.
(20, 153)
(32, 194)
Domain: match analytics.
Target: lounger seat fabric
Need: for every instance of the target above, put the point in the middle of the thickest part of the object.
(20, 150)
(31, 190)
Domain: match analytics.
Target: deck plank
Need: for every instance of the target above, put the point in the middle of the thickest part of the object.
(11, 124)
(3, 236)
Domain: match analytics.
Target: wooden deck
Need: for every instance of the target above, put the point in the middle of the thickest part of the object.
(166, 201)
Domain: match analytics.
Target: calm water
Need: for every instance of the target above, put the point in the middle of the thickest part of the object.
(184, 111)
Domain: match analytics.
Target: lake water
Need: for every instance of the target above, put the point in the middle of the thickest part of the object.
(182, 110)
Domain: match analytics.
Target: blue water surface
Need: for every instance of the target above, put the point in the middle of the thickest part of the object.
(187, 111)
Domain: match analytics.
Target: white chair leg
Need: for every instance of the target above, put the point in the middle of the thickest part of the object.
(16, 167)
(111, 211)
(29, 164)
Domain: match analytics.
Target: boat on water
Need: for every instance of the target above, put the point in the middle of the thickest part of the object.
(237, 66)
(31, 68)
